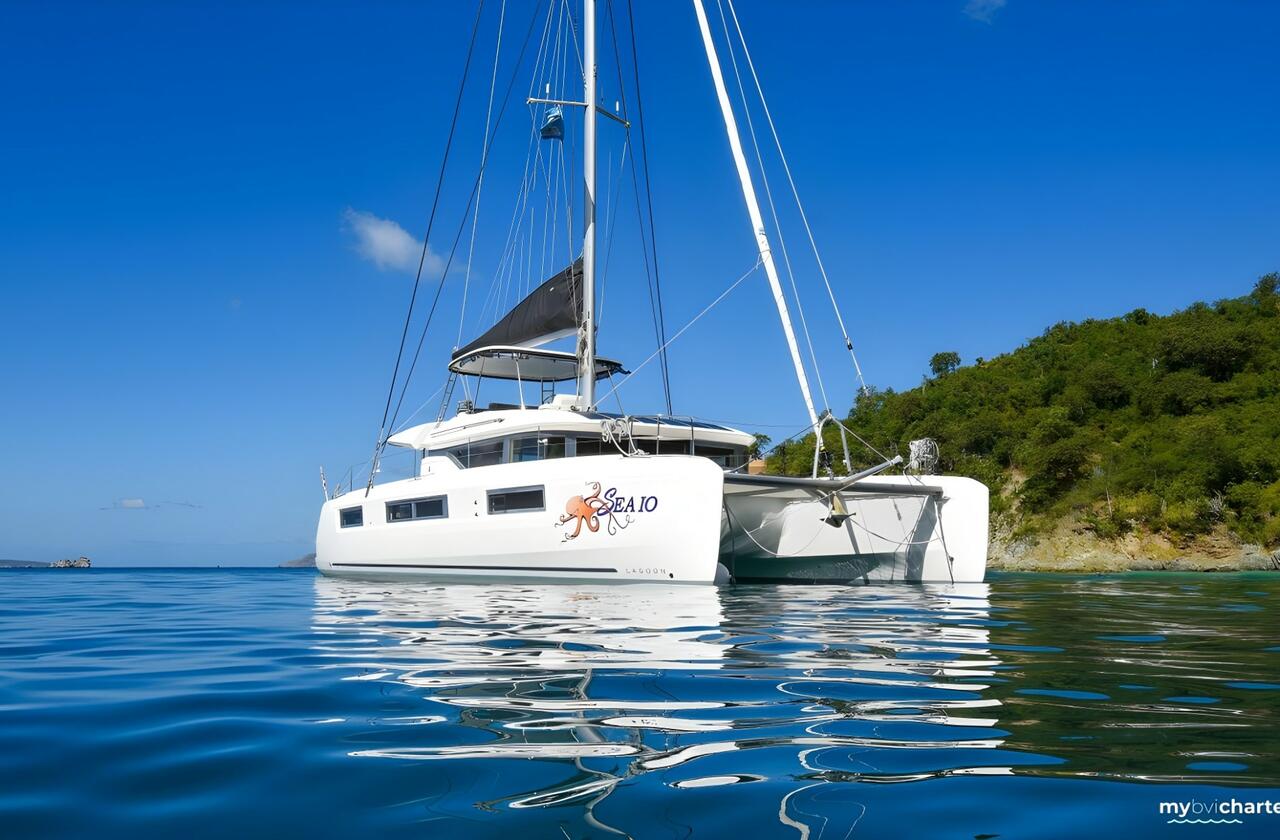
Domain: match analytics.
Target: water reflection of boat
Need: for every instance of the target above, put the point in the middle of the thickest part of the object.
(683, 687)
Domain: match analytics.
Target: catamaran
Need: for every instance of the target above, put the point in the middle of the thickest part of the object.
(556, 488)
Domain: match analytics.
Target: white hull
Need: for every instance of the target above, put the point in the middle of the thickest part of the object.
(786, 533)
(663, 525)
(670, 518)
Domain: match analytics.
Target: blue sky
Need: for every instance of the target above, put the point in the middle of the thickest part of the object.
(205, 209)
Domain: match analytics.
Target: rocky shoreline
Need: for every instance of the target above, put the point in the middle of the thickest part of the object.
(1076, 550)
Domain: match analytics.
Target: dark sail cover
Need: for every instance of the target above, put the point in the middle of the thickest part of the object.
(551, 311)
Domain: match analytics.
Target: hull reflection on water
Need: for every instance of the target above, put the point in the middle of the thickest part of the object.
(685, 687)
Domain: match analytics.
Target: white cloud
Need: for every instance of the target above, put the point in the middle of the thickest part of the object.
(387, 245)
(983, 10)
(139, 504)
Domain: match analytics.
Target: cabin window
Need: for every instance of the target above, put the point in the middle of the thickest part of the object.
(516, 500)
(351, 517)
(725, 456)
(435, 507)
(536, 448)
(662, 447)
(483, 453)
(595, 446)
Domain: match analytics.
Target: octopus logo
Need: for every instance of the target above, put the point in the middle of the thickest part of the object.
(606, 507)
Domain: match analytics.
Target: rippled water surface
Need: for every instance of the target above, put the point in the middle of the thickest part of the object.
(255, 702)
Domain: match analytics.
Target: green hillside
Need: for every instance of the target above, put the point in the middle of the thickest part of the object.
(1169, 424)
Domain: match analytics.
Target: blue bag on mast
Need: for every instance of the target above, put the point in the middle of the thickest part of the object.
(553, 125)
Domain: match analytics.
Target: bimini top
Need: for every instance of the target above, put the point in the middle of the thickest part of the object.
(512, 348)
(526, 364)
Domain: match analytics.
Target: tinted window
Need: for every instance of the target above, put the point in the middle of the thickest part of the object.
(351, 517)
(516, 499)
(428, 508)
(594, 446)
(536, 448)
(433, 508)
(724, 456)
(664, 447)
(482, 454)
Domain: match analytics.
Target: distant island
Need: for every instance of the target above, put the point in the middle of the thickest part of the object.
(78, 563)
(306, 561)
(22, 564)
(1137, 442)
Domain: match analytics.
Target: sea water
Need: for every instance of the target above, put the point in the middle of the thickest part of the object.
(255, 702)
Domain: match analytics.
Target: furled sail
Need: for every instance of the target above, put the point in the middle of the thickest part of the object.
(551, 311)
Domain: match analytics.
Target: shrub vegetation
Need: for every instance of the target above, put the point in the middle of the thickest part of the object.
(1166, 423)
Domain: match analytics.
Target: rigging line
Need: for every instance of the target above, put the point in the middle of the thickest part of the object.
(709, 307)
(900, 543)
(518, 261)
(566, 163)
(551, 215)
(518, 210)
(566, 150)
(542, 165)
(795, 194)
(744, 423)
(526, 248)
(524, 208)
(790, 437)
(573, 27)
(549, 61)
(475, 218)
(648, 191)
(546, 214)
(748, 533)
(858, 437)
(540, 57)
(515, 227)
(551, 71)
(659, 327)
(484, 159)
(435, 203)
(548, 220)
(615, 187)
(418, 410)
(527, 234)
(608, 202)
(544, 71)
(617, 397)
(773, 211)
(644, 251)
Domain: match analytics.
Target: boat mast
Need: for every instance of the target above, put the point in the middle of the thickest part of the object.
(753, 209)
(587, 340)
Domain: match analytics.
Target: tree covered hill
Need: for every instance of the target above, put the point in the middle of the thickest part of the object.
(1169, 424)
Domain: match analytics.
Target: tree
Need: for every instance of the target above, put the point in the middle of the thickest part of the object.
(1162, 422)
(943, 363)
(1202, 341)
(1264, 294)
